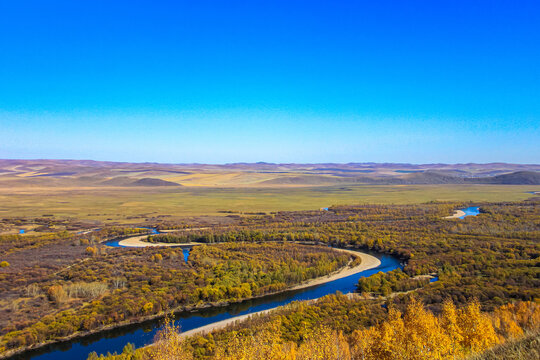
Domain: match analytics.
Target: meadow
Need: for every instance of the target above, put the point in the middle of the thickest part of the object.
(133, 205)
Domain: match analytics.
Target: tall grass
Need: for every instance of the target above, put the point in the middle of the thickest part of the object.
(86, 290)
(526, 348)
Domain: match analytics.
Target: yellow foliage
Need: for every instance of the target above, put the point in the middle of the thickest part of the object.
(264, 345)
(511, 319)
(147, 307)
(415, 335)
(91, 250)
(57, 294)
(320, 344)
(476, 328)
(362, 344)
(169, 344)
(323, 344)
(424, 337)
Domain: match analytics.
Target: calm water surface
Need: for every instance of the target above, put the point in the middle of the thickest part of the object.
(470, 211)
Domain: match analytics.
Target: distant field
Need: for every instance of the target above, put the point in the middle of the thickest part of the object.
(134, 204)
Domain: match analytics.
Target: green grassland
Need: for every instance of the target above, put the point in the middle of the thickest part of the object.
(131, 205)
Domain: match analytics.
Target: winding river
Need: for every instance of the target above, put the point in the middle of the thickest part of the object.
(142, 334)
(186, 248)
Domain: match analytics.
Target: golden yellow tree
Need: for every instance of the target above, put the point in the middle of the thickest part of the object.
(449, 325)
(324, 344)
(388, 337)
(264, 344)
(169, 345)
(362, 344)
(424, 338)
(476, 328)
(505, 322)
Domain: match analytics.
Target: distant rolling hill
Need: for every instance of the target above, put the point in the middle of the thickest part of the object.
(421, 178)
(515, 178)
(153, 182)
(118, 181)
(436, 178)
(127, 181)
(85, 173)
(432, 177)
(302, 180)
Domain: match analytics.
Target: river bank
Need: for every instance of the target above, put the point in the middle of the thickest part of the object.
(368, 262)
(138, 242)
(457, 214)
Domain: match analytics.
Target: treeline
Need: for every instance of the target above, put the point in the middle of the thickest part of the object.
(112, 232)
(415, 334)
(169, 238)
(393, 281)
(126, 285)
(210, 237)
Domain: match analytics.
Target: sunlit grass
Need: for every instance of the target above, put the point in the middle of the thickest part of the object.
(122, 203)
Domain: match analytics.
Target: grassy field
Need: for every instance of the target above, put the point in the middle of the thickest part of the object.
(131, 205)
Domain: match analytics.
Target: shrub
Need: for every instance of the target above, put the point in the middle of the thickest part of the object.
(57, 294)
(147, 307)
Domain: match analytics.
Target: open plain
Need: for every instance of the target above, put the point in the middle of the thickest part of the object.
(135, 193)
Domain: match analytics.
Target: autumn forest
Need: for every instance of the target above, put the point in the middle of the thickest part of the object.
(466, 285)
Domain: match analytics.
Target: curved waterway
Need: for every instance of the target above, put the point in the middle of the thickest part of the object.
(186, 248)
(116, 242)
(143, 334)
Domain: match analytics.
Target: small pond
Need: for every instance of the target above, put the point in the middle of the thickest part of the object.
(470, 211)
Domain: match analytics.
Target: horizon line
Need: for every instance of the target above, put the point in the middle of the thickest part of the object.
(266, 163)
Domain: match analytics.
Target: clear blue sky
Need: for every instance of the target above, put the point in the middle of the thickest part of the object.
(277, 81)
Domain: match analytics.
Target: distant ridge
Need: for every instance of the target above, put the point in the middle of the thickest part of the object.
(424, 178)
(301, 180)
(74, 173)
(153, 182)
(118, 181)
(515, 178)
(432, 177)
